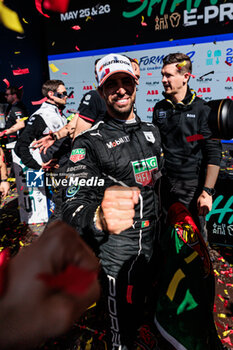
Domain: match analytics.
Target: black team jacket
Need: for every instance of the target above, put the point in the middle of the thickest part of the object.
(186, 136)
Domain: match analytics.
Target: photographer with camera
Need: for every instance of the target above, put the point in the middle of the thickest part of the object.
(191, 157)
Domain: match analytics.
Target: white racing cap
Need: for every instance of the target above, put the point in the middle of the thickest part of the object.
(112, 64)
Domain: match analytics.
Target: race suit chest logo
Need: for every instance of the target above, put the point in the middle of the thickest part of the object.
(77, 154)
(143, 170)
(118, 142)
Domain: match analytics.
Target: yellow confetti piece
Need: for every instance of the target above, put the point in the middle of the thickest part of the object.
(142, 19)
(24, 20)
(221, 315)
(216, 273)
(181, 64)
(88, 17)
(53, 68)
(225, 333)
(10, 19)
(170, 39)
(17, 52)
(93, 305)
(221, 298)
(21, 243)
(53, 43)
(225, 291)
(24, 118)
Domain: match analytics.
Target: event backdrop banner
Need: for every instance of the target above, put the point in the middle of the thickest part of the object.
(212, 70)
(94, 24)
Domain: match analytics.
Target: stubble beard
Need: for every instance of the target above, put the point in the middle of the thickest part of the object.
(120, 113)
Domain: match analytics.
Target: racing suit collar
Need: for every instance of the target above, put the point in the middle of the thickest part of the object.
(189, 98)
(121, 125)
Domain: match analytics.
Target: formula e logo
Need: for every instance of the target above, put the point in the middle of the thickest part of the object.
(35, 178)
(143, 170)
(78, 154)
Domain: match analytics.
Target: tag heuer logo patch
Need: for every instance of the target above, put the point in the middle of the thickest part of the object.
(143, 170)
(77, 154)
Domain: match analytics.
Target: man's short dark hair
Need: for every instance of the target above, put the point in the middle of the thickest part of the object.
(15, 90)
(51, 85)
(179, 57)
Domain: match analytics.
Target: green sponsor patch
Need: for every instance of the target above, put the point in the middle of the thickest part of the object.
(77, 154)
(143, 170)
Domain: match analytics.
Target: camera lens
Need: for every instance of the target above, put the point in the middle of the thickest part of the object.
(220, 119)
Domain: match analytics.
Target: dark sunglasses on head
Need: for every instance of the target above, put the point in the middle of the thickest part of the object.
(60, 95)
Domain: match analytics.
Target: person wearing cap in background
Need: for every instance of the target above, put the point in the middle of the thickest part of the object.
(192, 158)
(114, 202)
